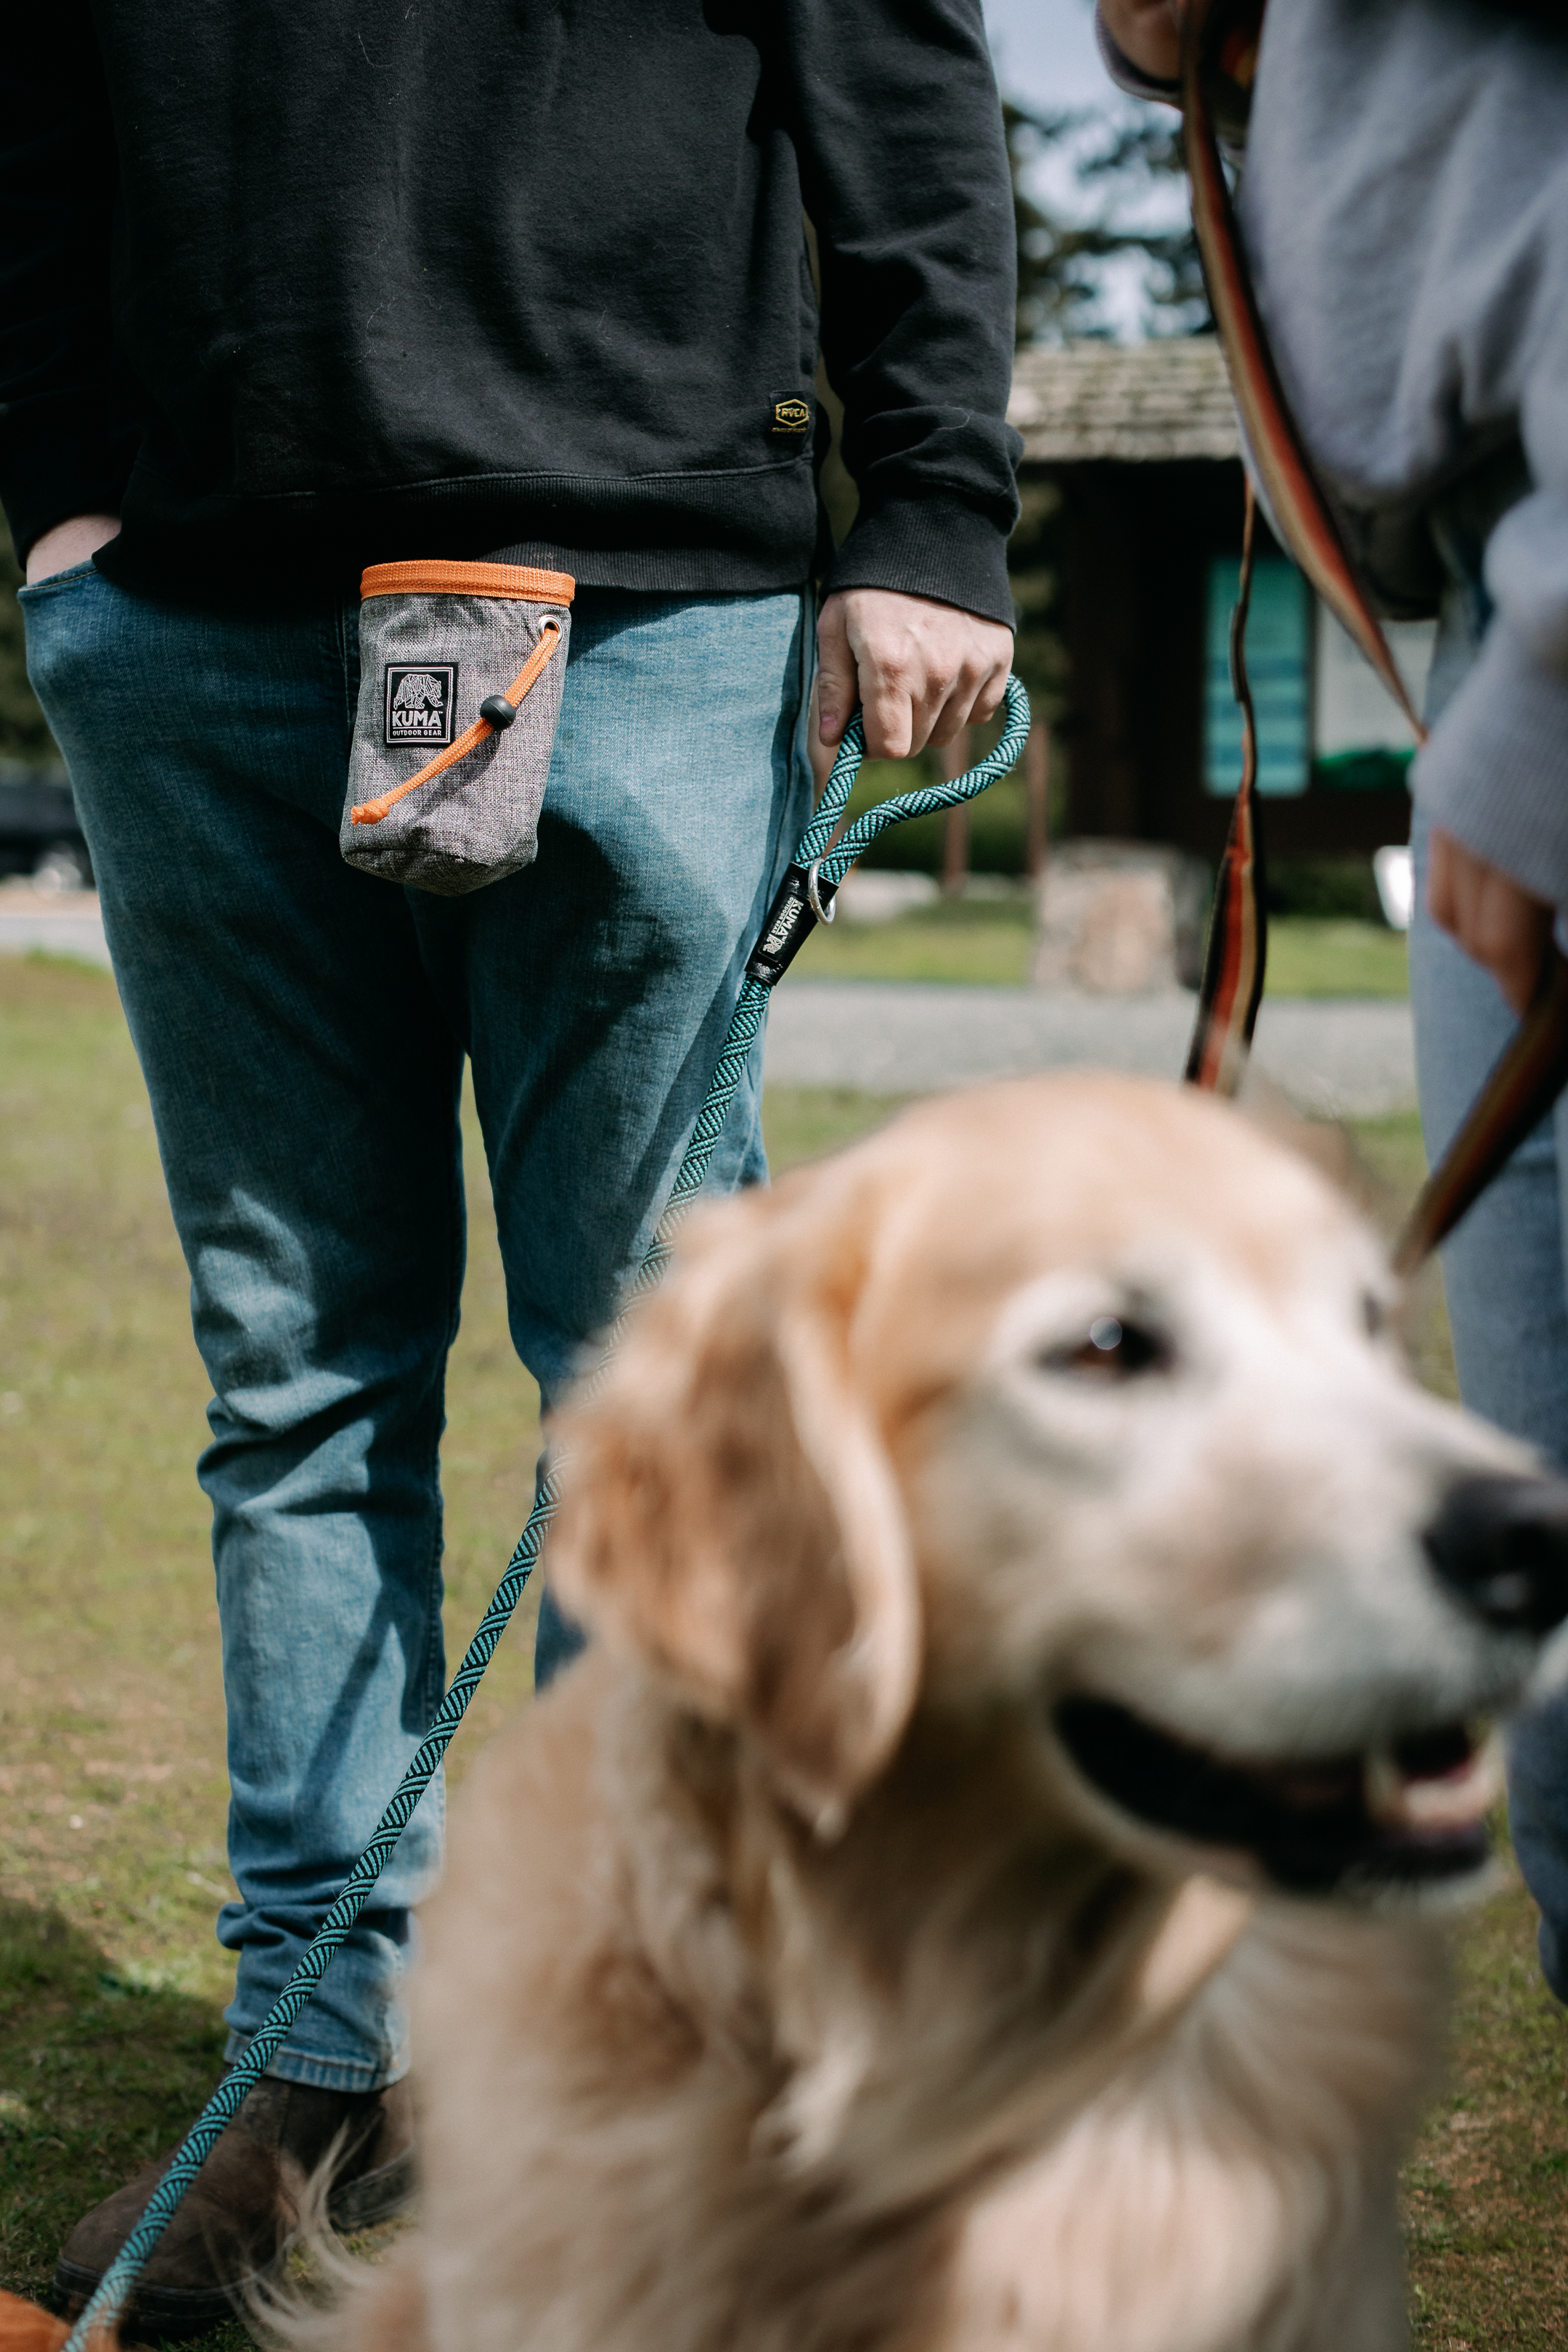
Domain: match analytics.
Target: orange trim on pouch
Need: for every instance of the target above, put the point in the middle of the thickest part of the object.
(372, 811)
(430, 578)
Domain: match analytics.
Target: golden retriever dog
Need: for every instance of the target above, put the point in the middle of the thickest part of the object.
(974, 1894)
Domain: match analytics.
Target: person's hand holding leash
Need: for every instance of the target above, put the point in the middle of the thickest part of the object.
(1496, 922)
(919, 670)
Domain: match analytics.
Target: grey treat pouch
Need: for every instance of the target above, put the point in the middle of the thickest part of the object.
(461, 669)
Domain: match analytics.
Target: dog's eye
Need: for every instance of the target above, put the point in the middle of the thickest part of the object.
(1112, 1351)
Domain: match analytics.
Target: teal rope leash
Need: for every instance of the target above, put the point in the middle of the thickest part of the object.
(808, 886)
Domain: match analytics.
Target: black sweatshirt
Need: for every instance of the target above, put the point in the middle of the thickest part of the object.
(298, 286)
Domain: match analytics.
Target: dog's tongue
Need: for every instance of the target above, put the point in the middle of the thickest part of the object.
(1443, 1782)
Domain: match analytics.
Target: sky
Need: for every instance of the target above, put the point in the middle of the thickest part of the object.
(1044, 52)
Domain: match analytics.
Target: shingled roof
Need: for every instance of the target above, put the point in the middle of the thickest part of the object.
(1146, 403)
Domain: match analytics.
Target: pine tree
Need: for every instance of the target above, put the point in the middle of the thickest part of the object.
(1062, 260)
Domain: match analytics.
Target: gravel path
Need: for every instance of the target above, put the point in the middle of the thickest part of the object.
(66, 925)
(1339, 1057)
(1342, 1058)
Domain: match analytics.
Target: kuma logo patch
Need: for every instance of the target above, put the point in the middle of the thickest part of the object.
(419, 700)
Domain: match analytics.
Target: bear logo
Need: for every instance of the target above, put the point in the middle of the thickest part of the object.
(419, 697)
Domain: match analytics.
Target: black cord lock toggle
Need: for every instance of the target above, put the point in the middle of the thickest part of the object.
(499, 712)
(791, 922)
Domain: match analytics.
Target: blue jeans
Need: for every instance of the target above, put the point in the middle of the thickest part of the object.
(1505, 1277)
(302, 1029)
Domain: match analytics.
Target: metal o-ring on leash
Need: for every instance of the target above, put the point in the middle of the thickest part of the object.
(823, 914)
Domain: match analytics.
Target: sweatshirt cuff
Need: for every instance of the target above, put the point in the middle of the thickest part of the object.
(933, 546)
(1494, 772)
(57, 461)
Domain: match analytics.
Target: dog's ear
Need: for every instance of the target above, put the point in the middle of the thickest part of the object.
(729, 1510)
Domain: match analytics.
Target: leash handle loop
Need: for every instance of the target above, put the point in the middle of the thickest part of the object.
(804, 897)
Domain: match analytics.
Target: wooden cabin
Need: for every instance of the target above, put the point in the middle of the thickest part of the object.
(1141, 444)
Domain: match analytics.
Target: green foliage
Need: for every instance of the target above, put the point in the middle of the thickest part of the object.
(1060, 259)
(1135, 154)
(1327, 888)
(1379, 770)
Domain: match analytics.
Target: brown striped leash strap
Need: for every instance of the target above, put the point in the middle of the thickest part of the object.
(1220, 37)
(1236, 950)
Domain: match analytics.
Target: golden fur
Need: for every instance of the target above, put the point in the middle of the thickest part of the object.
(789, 1991)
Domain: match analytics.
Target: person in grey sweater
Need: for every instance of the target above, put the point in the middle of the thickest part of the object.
(1405, 208)
(1403, 203)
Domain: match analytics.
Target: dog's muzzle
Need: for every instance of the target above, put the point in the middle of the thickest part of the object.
(1407, 1813)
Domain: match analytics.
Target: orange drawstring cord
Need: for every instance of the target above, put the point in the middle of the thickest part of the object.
(372, 811)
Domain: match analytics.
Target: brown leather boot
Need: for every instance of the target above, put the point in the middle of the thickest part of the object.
(237, 2216)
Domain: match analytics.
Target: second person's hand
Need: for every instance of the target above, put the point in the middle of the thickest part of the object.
(1497, 923)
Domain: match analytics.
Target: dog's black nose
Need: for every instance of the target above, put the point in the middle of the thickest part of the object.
(1501, 1544)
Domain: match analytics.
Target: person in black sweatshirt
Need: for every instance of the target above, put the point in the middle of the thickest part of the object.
(288, 290)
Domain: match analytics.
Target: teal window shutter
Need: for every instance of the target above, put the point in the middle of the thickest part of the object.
(1278, 663)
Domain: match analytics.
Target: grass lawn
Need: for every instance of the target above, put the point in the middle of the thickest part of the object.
(1311, 958)
(991, 942)
(965, 940)
(112, 1862)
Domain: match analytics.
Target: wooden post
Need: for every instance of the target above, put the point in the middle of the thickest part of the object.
(954, 760)
(1037, 782)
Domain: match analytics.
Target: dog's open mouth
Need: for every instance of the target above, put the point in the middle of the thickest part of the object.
(1411, 1813)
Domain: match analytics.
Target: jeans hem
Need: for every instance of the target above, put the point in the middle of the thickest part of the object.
(324, 2074)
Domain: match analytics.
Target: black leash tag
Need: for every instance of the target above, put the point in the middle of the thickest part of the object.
(790, 924)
